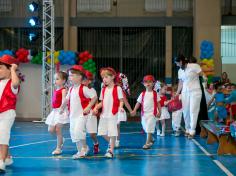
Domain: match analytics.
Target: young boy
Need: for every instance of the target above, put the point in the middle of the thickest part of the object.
(9, 86)
(150, 109)
(111, 103)
(80, 99)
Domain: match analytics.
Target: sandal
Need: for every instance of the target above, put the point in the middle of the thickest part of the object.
(57, 151)
(147, 146)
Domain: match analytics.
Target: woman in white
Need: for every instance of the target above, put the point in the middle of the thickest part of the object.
(191, 93)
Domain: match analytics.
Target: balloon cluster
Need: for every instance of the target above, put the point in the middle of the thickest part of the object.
(55, 55)
(67, 57)
(23, 55)
(37, 59)
(207, 49)
(7, 52)
(207, 62)
(86, 59)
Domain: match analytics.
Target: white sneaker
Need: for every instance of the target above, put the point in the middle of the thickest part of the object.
(158, 132)
(162, 134)
(117, 144)
(2, 166)
(8, 161)
(76, 156)
(83, 153)
(109, 154)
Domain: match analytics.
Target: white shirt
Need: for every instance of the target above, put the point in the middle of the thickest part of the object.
(76, 109)
(108, 101)
(3, 84)
(148, 103)
(191, 77)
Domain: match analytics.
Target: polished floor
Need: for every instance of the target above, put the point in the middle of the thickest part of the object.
(31, 147)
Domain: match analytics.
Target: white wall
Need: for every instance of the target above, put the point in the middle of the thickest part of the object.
(29, 100)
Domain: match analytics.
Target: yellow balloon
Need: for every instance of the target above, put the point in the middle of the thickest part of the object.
(49, 61)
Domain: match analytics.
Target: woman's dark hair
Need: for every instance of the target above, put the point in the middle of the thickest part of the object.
(192, 59)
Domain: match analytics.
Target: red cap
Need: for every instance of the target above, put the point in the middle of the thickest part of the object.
(89, 75)
(149, 78)
(108, 69)
(8, 59)
(78, 68)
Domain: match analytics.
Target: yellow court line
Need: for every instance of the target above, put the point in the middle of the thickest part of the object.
(116, 156)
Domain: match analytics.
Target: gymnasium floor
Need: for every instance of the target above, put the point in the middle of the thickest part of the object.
(31, 147)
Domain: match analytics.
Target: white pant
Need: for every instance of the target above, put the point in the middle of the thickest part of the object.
(7, 119)
(191, 105)
(108, 126)
(176, 119)
(79, 126)
(149, 123)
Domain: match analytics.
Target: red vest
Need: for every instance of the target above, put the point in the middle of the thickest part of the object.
(154, 100)
(116, 101)
(8, 99)
(57, 98)
(163, 100)
(84, 100)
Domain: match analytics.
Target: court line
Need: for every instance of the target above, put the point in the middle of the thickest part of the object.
(217, 162)
(33, 143)
(116, 156)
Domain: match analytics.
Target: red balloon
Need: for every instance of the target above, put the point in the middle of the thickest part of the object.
(90, 56)
(86, 53)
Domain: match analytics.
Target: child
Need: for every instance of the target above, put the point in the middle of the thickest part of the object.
(55, 120)
(9, 88)
(91, 123)
(111, 103)
(122, 81)
(150, 109)
(232, 101)
(80, 100)
(209, 94)
(164, 111)
(176, 114)
(219, 98)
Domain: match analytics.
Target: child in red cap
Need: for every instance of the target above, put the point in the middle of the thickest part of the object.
(111, 103)
(9, 88)
(150, 109)
(91, 123)
(80, 100)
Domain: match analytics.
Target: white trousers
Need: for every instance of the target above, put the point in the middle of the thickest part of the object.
(191, 105)
(176, 119)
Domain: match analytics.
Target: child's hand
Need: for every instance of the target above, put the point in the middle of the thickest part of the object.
(86, 110)
(95, 111)
(133, 113)
(13, 67)
(121, 109)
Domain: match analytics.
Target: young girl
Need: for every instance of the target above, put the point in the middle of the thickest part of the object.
(9, 88)
(150, 109)
(122, 81)
(55, 120)
(164, 111)
(91, 124)
(111, 103)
